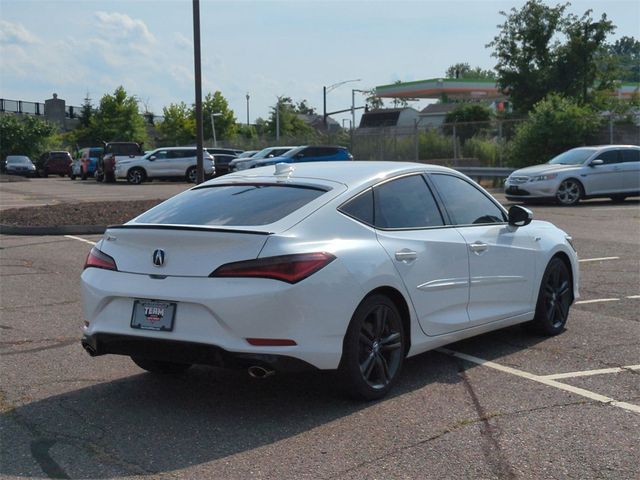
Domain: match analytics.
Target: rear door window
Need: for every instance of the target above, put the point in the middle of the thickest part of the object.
(630, 155)
(232, 205)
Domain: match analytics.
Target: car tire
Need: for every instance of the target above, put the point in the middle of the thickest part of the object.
(554, 299)
(72, 176)
(159, 366)
(618, 198)
(569, 192)
(373, 349)
(191, 175)
(136, 176)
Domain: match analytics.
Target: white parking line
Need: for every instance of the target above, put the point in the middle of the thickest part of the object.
(80, 239)
(597, 300)
(587, 373)
(545, 381)
(633, 296)
(601, 259)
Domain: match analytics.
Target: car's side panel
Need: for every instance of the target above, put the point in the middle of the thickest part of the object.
(502, 266)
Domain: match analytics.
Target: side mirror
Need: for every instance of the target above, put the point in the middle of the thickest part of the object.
(270, 155)
(596, 162)
(520, 216)
(152, 158)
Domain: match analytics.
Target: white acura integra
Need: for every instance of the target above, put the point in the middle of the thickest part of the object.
(334, 265)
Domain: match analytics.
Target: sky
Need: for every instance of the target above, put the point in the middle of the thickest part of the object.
(262, 48)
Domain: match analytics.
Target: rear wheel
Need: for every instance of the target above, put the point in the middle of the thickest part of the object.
(569, 192)
(374, 348)
(554, 299)
(192, 175)
(136, 176)
(159, 366)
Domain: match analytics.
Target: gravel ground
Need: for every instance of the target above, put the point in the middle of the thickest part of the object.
(90, 213)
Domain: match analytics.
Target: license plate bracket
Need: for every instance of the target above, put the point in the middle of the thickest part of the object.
(157, 315)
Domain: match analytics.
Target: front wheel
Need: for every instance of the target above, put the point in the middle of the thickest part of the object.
(136, 176)
(554, 299)
(374, 349)
(569, 192)
(159, 366)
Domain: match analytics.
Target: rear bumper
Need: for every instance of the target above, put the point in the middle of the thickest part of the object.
(187, 352)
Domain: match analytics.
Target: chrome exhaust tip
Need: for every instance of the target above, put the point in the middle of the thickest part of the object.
(256, 371)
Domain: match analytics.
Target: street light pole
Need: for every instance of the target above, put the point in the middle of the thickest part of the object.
(213, 128)
(328, 89)
(198, 86)
(248, 109)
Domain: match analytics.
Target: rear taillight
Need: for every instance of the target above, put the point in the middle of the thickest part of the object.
(99, 259)
(286, 268)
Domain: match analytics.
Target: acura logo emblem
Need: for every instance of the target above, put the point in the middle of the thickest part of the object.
(158, 258)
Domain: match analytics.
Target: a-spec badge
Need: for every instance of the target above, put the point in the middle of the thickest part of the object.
(158, 258)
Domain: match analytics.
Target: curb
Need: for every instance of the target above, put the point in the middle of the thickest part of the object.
(57, 230)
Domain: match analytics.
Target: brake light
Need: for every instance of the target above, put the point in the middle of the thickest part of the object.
(99, 259)
(286, 268)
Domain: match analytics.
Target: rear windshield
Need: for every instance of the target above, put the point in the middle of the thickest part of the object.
(232, 205)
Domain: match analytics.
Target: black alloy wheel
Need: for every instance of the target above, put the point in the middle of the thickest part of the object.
(374, 349)
(159, 366)
(554, 299)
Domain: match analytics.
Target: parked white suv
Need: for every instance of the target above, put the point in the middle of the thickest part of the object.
(168, 162)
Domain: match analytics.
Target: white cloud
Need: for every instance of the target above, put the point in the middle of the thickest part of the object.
(122, 26)
(16, 33)
(183, 42)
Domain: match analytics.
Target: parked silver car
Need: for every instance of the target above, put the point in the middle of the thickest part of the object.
(269, 152)
(168, 162)
(584, 172)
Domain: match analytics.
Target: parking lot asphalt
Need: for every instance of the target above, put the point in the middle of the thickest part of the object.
(503, 405)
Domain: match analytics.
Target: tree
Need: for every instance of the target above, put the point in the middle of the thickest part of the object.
(469, 119)
(626, 54)
(226, 123)
(464, 70)
(556, 124)
(541, 50)
(25, 135)
(372, 101)
(285, 114)
(178, 126)
(118, 118)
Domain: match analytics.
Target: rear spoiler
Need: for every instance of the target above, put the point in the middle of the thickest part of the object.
(196, 228)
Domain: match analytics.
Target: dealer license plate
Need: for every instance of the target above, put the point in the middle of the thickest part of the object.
(153, 315)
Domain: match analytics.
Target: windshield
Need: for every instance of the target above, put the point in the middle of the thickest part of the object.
(265, 152)
(575, 156)
(293, 152)
(18, 160)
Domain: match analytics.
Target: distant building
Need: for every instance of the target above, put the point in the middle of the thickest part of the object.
(316, 122)
(389, 118)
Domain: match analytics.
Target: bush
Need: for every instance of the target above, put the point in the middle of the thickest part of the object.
(555, 125)
(487, 151)
(433, 144)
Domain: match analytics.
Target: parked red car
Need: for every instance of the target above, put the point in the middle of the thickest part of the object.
(54, 163)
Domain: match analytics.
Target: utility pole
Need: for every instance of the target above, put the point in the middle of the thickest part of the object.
(278, 120)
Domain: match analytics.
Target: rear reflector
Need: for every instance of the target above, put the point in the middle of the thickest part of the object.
(99, 259)
(271, 342)
(286, 268)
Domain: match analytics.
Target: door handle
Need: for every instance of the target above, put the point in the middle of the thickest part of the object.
(478, 247)
(405, 255)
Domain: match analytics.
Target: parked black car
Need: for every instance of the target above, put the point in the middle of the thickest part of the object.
(221, 162)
